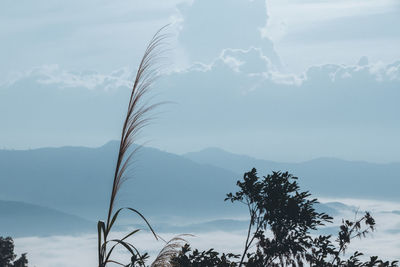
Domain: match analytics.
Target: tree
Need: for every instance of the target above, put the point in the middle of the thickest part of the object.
(6, 251)
(7, 255)
(281, 226)
(22, 261)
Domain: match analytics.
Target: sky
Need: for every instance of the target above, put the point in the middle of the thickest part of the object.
(279, 79)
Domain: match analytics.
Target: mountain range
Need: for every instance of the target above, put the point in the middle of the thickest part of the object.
(327, 177)
(78, 180)
(74, 183)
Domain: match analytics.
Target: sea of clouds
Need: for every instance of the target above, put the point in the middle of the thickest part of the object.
(80, 251)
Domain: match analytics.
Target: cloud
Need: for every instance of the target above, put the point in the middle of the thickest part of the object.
(80, 251)
(55, 76)
(239, 101)
(104, 36)
(208, 27)
(312, 32)
(347, 104)
(49, 103)
(97, 35)
(344, 19)
(386, 234)
(77, 251)
(250, 61)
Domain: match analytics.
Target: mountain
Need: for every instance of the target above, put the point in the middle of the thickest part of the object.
(78, 180)
(19, 219)
(22, 219)
(327, 177)
(229, 161)
(166, 186)
(175, 192)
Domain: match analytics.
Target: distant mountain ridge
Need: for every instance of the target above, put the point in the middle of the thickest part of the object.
(77, 180)
(23, 219)
(322, 176)
(169, 189)
(19, 219)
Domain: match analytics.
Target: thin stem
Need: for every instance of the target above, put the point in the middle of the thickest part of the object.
(344, 244)
(247, 244)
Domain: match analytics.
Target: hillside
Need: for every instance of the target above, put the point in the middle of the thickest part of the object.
(22, 219)
(328, 177)
(174, 192)
(78, 180)
(19, 219)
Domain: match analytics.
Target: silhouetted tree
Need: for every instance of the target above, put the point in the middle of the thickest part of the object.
(22, 261)
(281, 221)
(7, 255)
(6, 251)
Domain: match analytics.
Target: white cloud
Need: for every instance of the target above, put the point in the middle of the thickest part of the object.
(77, 251)
(350, 104)
(81, 251)
(250, 61)
(99, 35)
(289, 15)
(228, 24)
(311, 32)
(54, 75)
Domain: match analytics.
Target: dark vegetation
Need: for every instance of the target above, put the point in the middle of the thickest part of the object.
(282, 230)
(7, 256)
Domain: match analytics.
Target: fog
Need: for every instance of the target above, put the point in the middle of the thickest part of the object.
(80, 251)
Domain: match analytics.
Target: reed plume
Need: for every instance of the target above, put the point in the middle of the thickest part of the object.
(137, 117)
(170, 250)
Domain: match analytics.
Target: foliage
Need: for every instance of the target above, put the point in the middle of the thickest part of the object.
(276, 204)
(203, 259)
(7, 256)
(21, 261)
(282, 219)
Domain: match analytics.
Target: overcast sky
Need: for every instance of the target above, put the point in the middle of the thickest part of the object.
(281, 80)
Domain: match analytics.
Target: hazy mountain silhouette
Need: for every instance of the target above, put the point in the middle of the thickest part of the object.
(323, 176)
(229, 161)
(78, 180)
(22, 219)
(19, 219)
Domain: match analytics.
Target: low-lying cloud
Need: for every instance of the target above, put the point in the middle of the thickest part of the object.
(77, 251)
